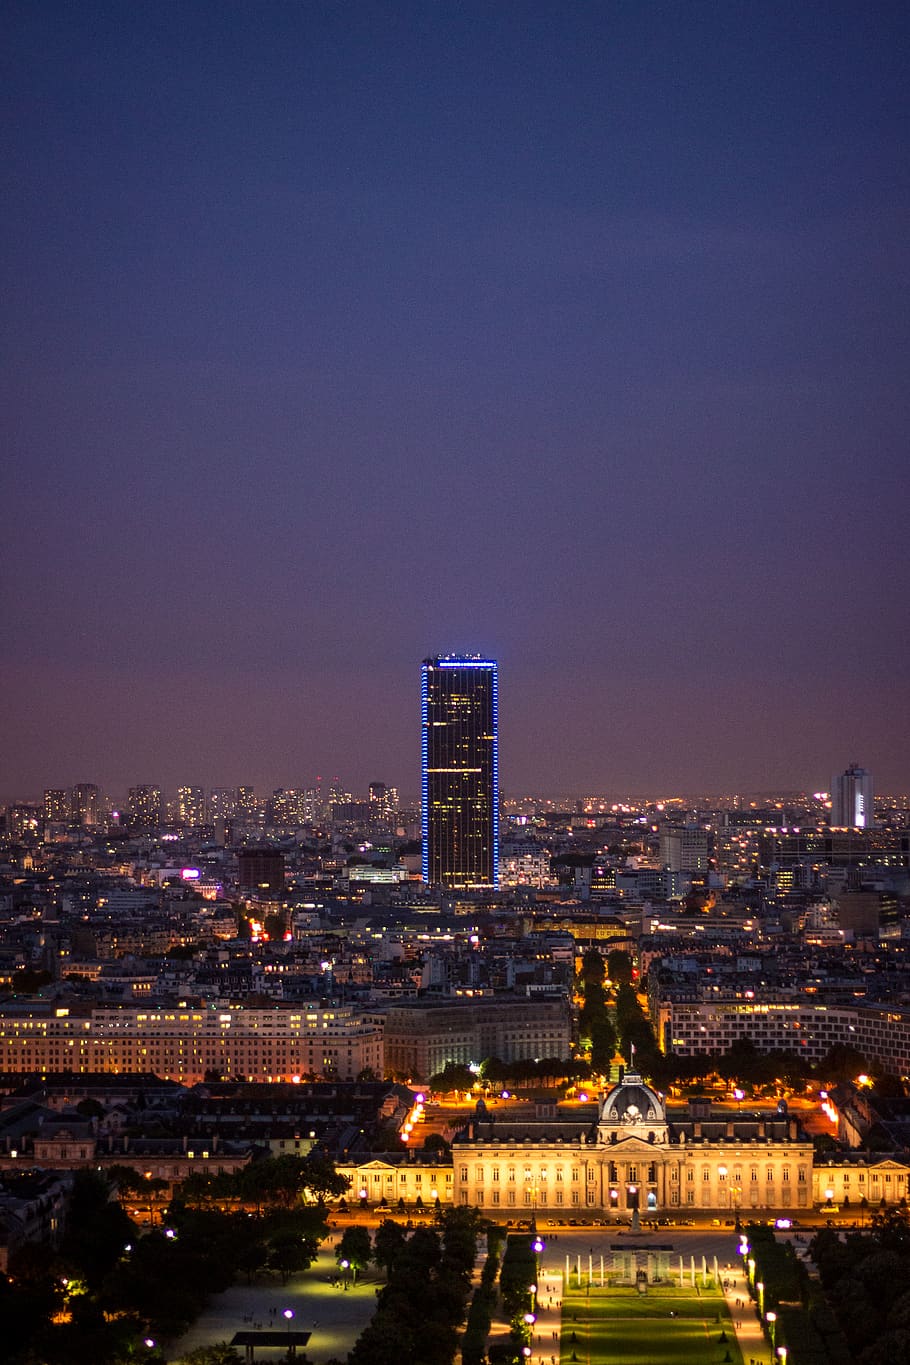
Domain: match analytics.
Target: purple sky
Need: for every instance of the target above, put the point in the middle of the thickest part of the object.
(339, 335)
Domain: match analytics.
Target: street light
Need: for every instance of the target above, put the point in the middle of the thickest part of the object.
(288, 1314)
(771, 1319)
(782, 1354)
(760, 1291)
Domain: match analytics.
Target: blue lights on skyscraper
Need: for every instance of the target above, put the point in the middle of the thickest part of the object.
(459, 771)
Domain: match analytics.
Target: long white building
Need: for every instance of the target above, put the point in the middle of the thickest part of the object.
(186, 1044)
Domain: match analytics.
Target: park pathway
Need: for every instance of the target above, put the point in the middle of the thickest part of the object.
(755, 1349)
(547, 1329)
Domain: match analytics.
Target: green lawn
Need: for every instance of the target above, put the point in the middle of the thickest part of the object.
(623, 1327)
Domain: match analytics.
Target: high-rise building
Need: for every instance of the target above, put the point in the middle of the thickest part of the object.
(683, 848)
(459, 701)
(145, 806)
(851, 799)
(86, 806)
(222, 803)
(383, 801)
(190, 806)
(247, 807)
(56, 805)
(260, 871)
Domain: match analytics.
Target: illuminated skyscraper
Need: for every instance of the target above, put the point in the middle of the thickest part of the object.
(190, 806)
(56, 804)
(459, 700)
(851, 799)
(86, 807)
(145, 806)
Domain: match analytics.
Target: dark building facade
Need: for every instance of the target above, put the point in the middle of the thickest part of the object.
(460, 771)
(260, 871)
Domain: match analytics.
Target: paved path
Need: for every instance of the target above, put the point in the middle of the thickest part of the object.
(749, 1334)
(547, 1330)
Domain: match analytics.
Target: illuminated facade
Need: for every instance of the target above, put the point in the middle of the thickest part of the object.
(460, 771)
(852, 799)
(145, 806)
(179, 1043)
(56, 805)
(634, 1157)
(190, 806)
(86, 807)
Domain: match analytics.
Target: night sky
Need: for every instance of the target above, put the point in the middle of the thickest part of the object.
(337, 335)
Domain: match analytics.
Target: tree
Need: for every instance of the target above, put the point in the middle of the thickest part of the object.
(619, 967)
(388, 1244)
(289, 1254)
(220, 1353)
(593, 970)
(250, 1258)
(842, 1062)
(355, 1247)
(603, 1044)
(97, 1228)
(435, 1142)
(494, 1071)
(453, 1076)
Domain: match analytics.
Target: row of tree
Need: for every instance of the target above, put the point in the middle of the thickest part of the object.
(866, 1277)
(425, 1298)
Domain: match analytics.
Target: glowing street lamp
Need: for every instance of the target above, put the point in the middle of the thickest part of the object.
(771, 1319)
(760, 1290)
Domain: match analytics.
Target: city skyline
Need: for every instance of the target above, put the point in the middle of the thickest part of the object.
(337, 337)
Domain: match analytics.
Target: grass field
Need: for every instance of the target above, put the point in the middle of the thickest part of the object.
(623, 1327)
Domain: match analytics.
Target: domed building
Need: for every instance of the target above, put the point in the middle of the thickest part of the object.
(630, 1154)
(632, 1109)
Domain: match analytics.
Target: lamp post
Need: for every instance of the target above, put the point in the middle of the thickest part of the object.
(538, 1246)
(722, 1174)
(760, 1291)
(771, 1319)
(782, 1354)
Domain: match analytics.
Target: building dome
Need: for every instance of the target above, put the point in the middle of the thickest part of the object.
(632, 1102)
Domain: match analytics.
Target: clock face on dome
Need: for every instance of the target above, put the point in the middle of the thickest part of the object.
(632, 1113)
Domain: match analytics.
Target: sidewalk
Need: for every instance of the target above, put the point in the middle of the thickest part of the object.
(749, 1334)
(547, 1330)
